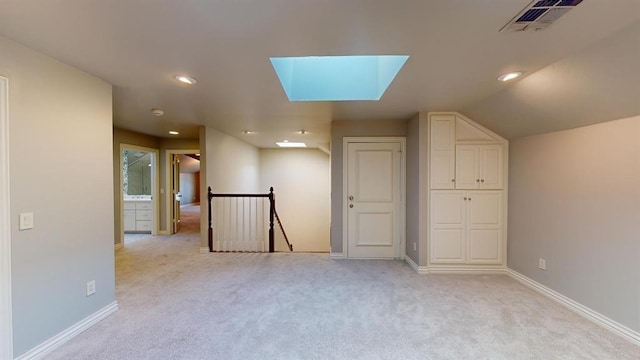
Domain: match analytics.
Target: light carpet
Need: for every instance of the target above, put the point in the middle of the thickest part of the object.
(178, 304)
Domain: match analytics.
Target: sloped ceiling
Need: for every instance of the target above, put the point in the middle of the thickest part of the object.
(455, 47)
(599, 83)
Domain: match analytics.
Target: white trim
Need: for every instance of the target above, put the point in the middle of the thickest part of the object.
(167, 183)
(578, 308)
(422, 270)
(403, 185)
(6, 328)
(204, 250)
(163, 233)
(465, 269)
(118, 246)
(336, 256)
(155, 184)
(55, 342)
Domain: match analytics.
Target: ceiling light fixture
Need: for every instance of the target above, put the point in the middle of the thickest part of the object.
(287, 144)
(509, 76)
(157, 112)
(172, 132)
(248, 132)
(186, 79)
(302, 132)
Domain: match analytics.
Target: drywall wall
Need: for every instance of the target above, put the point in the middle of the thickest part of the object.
(121, 136)
(60, 170)
(189, 188)
(339, 130)
(413, 189)
(302, 186)
(232, 165)
(574, 200)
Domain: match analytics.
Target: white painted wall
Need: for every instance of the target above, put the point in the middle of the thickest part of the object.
(60, 156)
(574, 200)
(232, 165)
(301, 179)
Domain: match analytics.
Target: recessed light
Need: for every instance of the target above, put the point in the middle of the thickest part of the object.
(186, 79)
(174, 132)
(287, 144)
(157, 112)
(302, 132)
(509, 76)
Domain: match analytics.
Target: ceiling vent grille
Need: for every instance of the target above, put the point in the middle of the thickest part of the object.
(539, 15)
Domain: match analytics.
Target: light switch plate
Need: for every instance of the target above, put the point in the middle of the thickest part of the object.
(26, 221)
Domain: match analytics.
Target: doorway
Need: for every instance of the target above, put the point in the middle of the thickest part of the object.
(139, 189)
(6, 328)
(374, 189)
(183, 189)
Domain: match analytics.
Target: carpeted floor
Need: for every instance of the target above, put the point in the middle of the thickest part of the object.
(178, 304)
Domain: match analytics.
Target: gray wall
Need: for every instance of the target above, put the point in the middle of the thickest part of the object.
(189, 188)
(60, 124)
(574, 200)
(340, 129)
(413, 188)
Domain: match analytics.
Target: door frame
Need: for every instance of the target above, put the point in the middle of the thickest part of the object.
(155, 172)
(168, 198)
(403, 183)
(6, 325)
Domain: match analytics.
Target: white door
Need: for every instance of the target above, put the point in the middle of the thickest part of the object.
(491, 166)
(443, 143)
(373, 199)
(485, 227)
(448, 226)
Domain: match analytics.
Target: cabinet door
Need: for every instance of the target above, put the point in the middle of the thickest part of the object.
(467, 167)
(442, 159)
(491, 164)
(448, 216)
(484, 227)
(129, 220)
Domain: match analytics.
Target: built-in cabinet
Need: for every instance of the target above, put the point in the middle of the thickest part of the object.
(137, 216)
(467, 202)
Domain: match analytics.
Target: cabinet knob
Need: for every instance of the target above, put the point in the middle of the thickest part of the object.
(469, 199)
(478, 180)
(482, 180)
(453, 180)
(465, 199)
(351, 205)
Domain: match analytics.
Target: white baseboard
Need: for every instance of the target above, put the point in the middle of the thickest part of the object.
(580, 309)
(163, 233)
(336, 256)
(55, 342)
(118, 246)
(204, 250)
(422, 270)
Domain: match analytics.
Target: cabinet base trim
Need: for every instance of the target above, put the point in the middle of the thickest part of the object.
(578, 308)
(422, 270)
(55, 342)
(463, 269)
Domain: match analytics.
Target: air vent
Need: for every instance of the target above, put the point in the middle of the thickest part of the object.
(540, 14)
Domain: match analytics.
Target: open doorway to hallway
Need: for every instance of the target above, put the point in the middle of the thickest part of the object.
(183, 186)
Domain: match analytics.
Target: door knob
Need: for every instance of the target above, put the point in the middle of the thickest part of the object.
(351, 197)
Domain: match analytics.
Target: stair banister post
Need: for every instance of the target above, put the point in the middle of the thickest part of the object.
(272, 206)
(210, 196)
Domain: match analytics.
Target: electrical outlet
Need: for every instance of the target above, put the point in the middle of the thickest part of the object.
(542, 264)
(414, 246)
(91, 287)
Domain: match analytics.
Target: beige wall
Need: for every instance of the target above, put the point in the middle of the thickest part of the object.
(60, 154)
(339, 130)
(232, 165)
(574, 200)
(301, 181)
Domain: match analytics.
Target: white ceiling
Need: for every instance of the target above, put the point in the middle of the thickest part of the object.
(455, 47)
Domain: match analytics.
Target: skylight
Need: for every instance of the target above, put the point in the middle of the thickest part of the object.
(337, 78)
